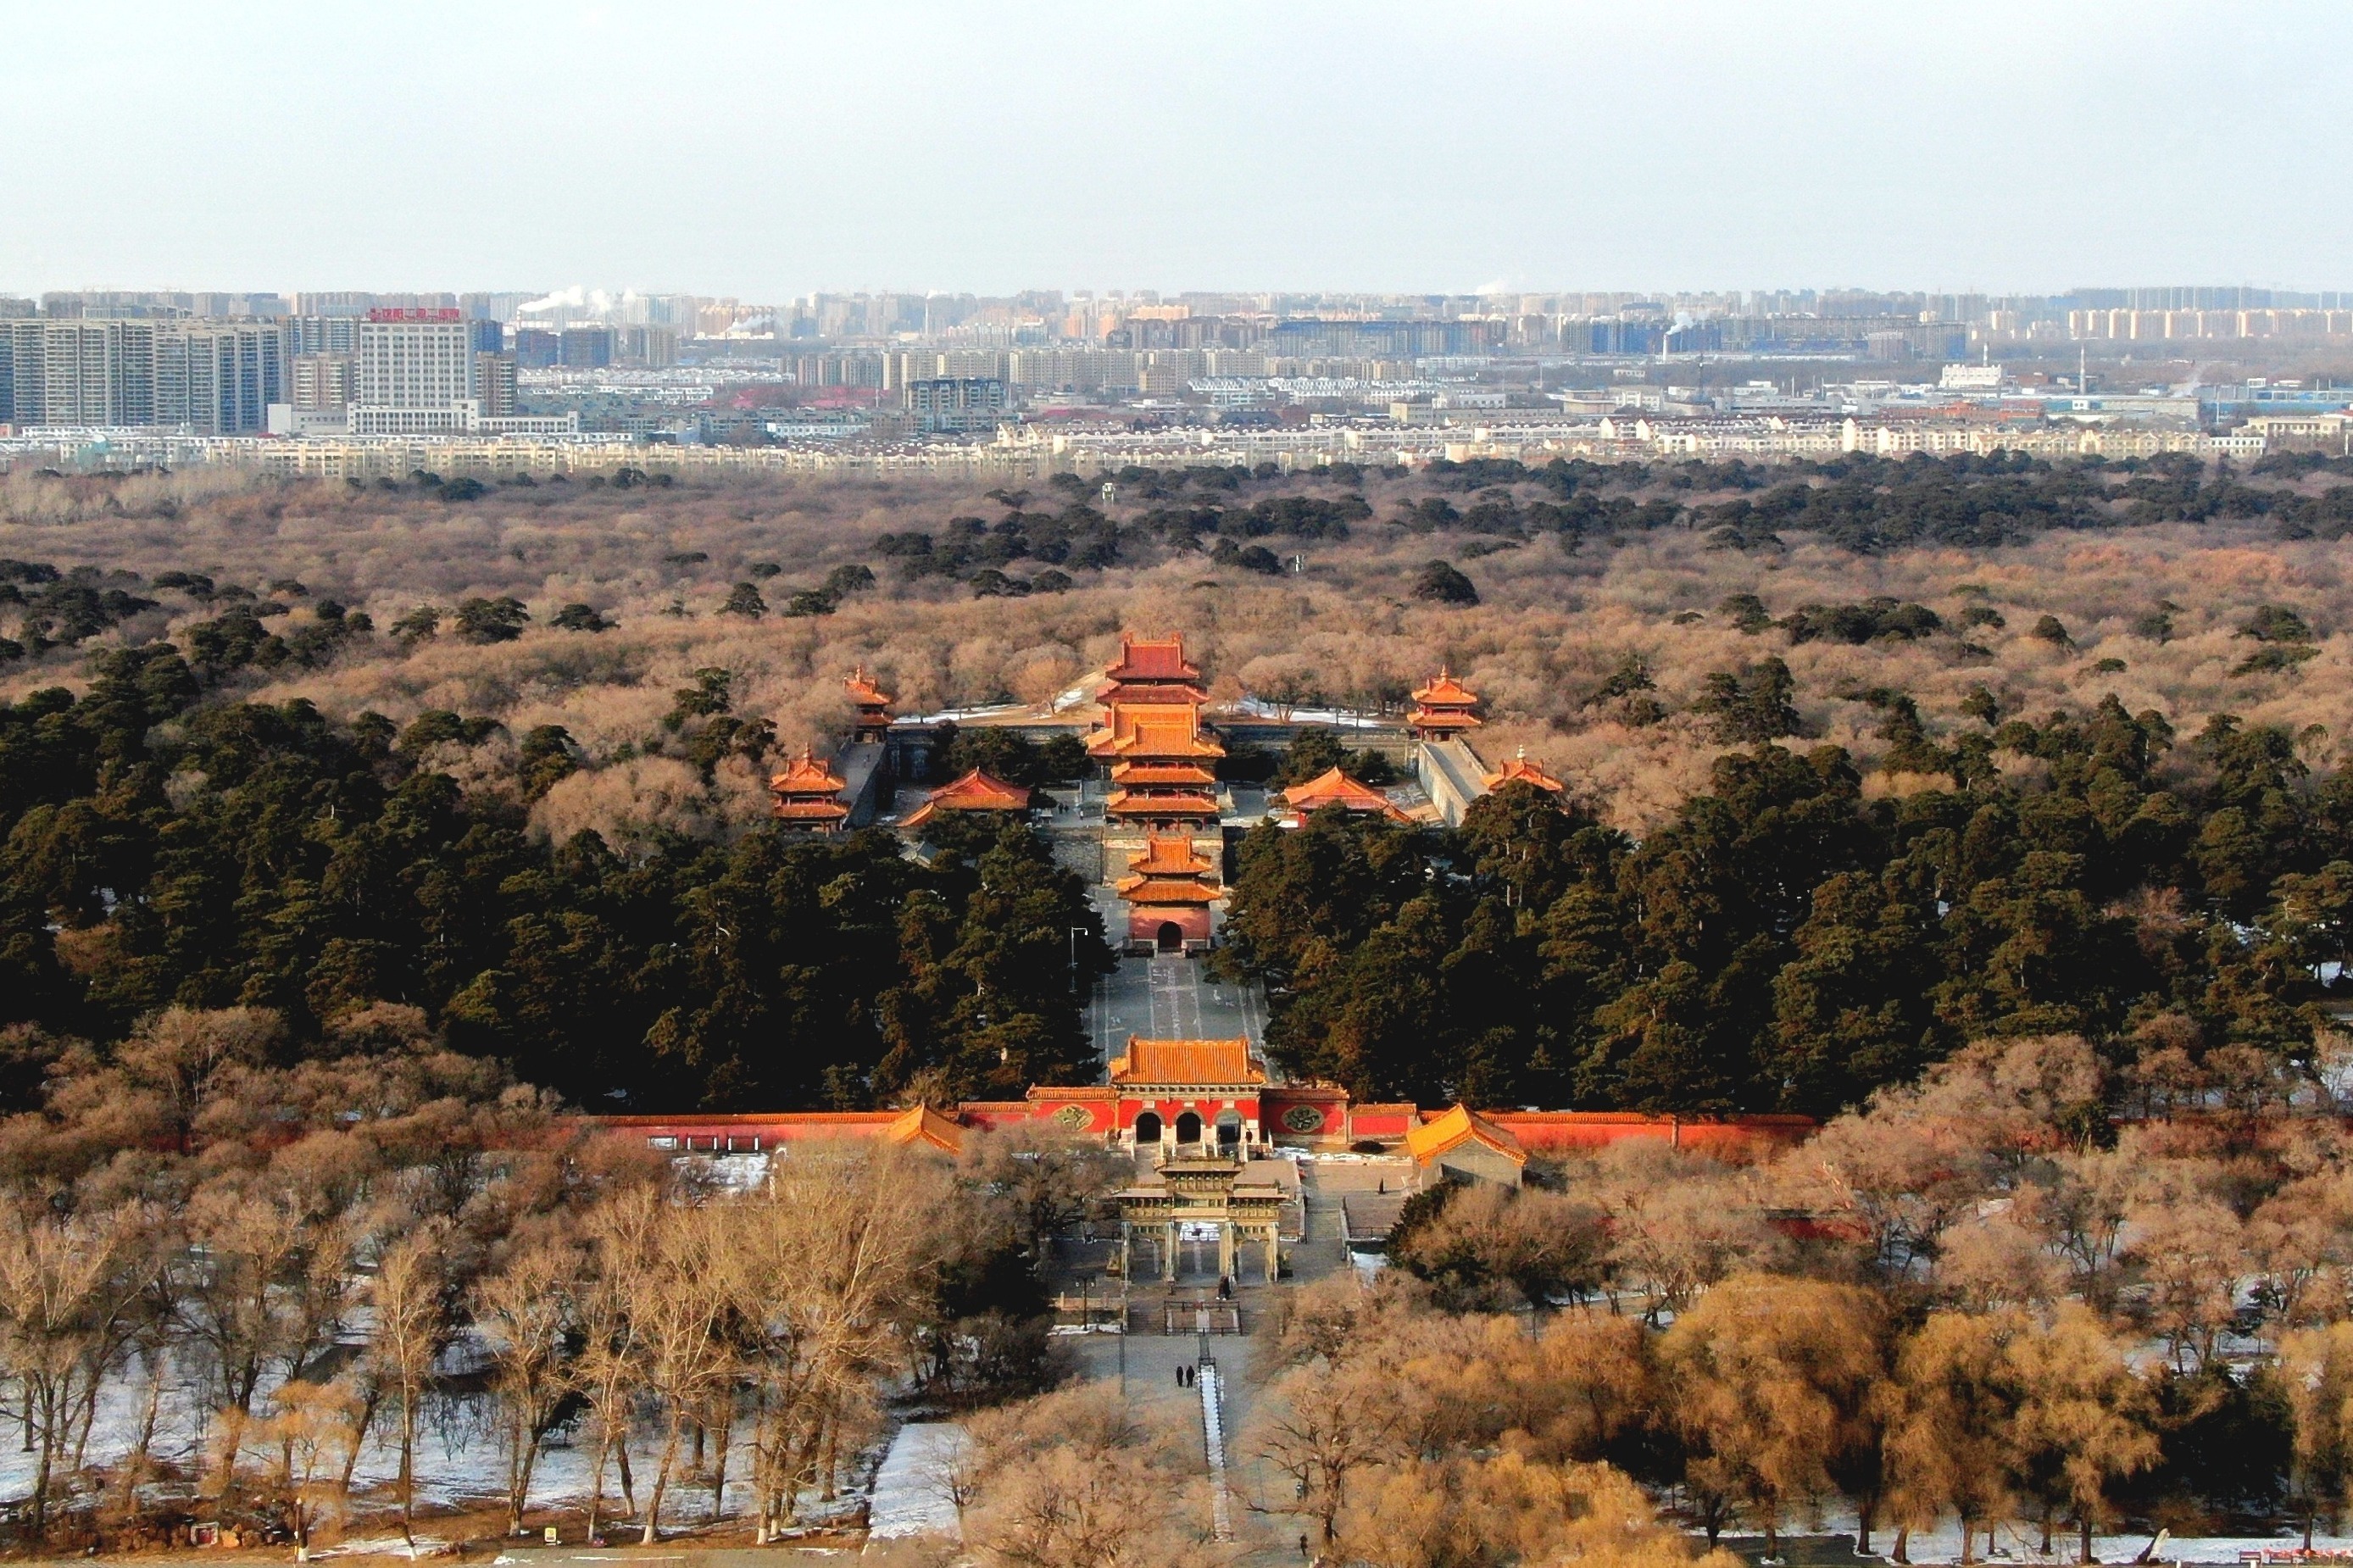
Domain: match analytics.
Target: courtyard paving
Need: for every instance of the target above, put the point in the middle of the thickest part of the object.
(1170, 999)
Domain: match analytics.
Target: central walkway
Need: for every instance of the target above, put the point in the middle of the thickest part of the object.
(1218, 1411)
(1213, 1439)
(1170, 997)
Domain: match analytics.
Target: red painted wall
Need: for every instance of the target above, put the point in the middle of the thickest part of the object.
(1106, 1111)
(1575, 1131)
(1144, 923)
(1288, 1111)
(1380, 1120)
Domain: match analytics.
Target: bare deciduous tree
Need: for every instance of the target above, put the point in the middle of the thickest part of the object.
(407, 1329)
(316, 1427)
(1323, 1427)
(524, 1309)
(64, 1295)
(2084, 1418)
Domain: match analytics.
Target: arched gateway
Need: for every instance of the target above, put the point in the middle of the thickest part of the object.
(1194, 1107)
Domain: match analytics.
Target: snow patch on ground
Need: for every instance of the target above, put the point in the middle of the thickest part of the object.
(908, 1496)
(2021, 1543)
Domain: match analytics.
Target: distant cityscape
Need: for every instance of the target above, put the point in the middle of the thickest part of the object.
(357, 384)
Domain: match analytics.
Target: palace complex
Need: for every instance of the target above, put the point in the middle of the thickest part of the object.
(1201, 1117)
(1157, 822)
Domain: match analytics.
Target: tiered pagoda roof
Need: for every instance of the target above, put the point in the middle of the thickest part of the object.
(1333, 788)
(1152, 736)
(1519, 770)
(1152, 732)
(1151, 671)
(1143, 773)
(1443, 707)
(1167, 872)
(1173, 803)
(977, 791)
(808, 793)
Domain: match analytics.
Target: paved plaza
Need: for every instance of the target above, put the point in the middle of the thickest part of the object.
(1169, 998)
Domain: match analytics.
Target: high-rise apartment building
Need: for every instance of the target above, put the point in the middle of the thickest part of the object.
(212, 378)
(219, 378)
(321, 381)
(955, 402)
(494, 385)
(492, 307)
(324, 334)
(584, 348)
(653, 347)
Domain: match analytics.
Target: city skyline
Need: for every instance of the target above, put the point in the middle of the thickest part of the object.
(1505, 147)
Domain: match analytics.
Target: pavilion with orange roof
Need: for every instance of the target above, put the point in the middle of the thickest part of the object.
(1443, 709)
(1333, 788)
(809, 796)
(1517, 768)
(976, 792)
(873, 705)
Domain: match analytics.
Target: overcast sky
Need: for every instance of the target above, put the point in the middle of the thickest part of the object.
(772, 149)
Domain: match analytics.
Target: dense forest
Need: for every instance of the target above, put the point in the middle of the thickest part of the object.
(162, 849)
(1782, 944)
(1867, 758)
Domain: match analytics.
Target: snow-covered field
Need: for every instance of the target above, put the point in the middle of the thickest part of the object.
(460, 1460)
(2021, 1543)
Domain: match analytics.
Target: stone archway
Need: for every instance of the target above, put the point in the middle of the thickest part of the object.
(1188, 1127)
(1170, 937)
(1229, 1131)
(1147, 1128)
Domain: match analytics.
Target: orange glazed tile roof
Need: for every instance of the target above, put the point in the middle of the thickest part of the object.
(1177, 803)
(1333, 788)
(1203, 1063)
(1172, 856)
(805, 791)
(920, 1124)
(806, 775)
(1430, 1139)
(805, 810)
(1445, 692)
(1154, 732)
(1161, 774)
(864, 692)
(1162, 693)
(1167, 872)
(1149, 890)
(1443, 719)
(977, 791)
(1145, 658)
(1519, 770)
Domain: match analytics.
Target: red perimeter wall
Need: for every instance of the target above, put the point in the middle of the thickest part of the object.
(1094, 1111)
